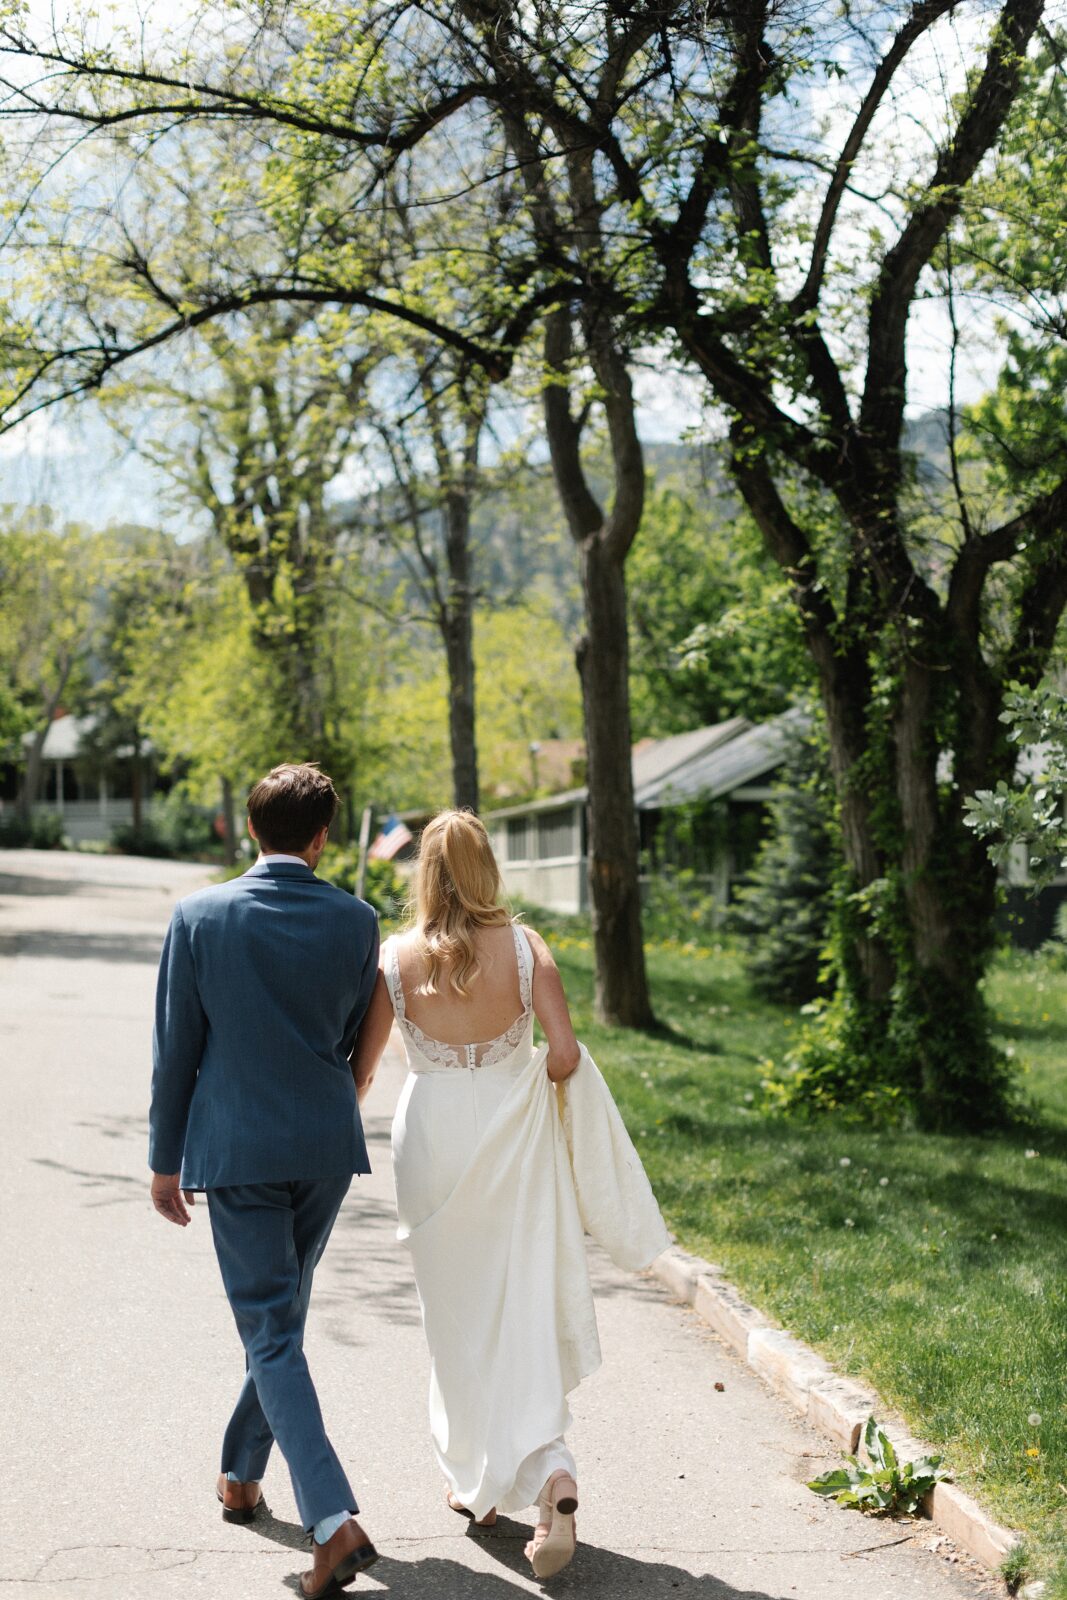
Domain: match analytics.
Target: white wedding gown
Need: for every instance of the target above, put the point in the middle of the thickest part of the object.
(499, 1173)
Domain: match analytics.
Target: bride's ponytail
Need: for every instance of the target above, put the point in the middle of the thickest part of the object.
(457, 889)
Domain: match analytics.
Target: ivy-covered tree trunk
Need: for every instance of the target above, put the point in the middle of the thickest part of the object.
(910, 683)
(915, 1023)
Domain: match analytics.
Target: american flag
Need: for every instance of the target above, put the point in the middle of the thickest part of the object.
(393, 837)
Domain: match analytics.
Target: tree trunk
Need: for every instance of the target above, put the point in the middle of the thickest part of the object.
(457, 629)
(137, 785)
(949, 893)
(30, 788)
(229, 832)
(603, 655)
(916, 931)
(845, 702)
(603, 662)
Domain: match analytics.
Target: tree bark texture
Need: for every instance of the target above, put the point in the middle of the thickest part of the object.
(30, 787)
(457, 628)
(603, 662)
(603, 541)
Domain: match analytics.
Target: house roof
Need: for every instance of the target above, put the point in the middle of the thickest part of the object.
(64, 737)
(706, 763)
(748, 751)
(548, 802)
(656, 761)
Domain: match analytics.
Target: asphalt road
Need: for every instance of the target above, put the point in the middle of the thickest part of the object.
(121, 1361)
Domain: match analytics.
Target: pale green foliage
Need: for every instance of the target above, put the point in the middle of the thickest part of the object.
(200, 688)
(712, 632)
(1030, 815)
(528, 691)
(49, 578)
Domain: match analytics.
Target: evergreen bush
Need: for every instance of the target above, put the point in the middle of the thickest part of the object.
(784, 907)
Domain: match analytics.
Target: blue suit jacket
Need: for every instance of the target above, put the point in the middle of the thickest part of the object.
(263, 984)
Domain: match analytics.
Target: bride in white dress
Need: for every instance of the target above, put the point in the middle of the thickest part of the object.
(499, 1171)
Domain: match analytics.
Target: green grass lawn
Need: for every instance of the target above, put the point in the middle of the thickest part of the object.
(934, 1267)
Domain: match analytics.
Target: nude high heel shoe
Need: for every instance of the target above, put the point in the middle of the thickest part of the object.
(555, 1537)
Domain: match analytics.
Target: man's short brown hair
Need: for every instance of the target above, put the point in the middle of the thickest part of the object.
(290, 805)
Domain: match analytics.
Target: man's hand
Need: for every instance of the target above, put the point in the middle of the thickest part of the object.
(170, 1200)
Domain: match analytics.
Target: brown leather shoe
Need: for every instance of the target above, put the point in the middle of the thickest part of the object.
(240, 1501)
(338, 1561)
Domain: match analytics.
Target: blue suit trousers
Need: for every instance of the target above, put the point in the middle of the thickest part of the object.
(268, 1239)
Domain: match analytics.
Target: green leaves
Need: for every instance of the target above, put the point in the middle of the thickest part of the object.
(882, 1486)
(1030, 816)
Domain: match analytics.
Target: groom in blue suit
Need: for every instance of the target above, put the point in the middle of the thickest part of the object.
(263, 984)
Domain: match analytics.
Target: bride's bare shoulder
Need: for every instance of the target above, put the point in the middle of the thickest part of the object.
(396, 941)
(541, 953)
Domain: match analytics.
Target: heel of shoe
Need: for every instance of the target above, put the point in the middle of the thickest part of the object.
(239, 1513)
(557, 1506)
(564, 1495)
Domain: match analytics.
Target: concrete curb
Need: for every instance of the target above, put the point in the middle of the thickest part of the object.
(836, 1406)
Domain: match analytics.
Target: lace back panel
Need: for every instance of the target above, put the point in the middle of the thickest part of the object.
(484, 1053)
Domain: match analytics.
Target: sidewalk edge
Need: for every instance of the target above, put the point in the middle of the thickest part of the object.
(836, 1406)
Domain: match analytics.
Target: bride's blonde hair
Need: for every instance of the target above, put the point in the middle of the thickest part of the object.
(457, 890)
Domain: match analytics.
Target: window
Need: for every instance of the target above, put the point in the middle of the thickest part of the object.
(555, 834)
(518, 845)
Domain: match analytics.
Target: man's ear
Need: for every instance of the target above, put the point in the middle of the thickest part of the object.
(252, 834)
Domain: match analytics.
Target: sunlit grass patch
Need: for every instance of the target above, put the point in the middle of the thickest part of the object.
(933, 1266)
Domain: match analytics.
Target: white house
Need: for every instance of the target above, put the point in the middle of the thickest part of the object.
(91, 803)
(542, 844)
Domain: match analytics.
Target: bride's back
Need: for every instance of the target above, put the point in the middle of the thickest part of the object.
(493, 1000)
(466, 982)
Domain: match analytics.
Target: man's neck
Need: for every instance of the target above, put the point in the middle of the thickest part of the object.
(285, 855)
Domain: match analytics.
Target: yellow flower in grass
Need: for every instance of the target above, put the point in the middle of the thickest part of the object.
(1033, 1451)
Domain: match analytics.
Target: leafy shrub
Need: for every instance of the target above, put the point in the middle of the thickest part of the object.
(823, 1071)
(1029, 814)
(883, 1486)
(147, 840)
(171, 827)
(677, 902)
(1054, 950)
(42, 830)
(384, 888)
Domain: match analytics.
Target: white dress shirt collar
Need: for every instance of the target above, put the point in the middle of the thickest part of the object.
(276, 855)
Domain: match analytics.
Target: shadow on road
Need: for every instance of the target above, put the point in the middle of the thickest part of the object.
(56, 945)
(603, 1573)
(122, 1187)
(367, 1270)
(290, 1534)
(18, 884)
